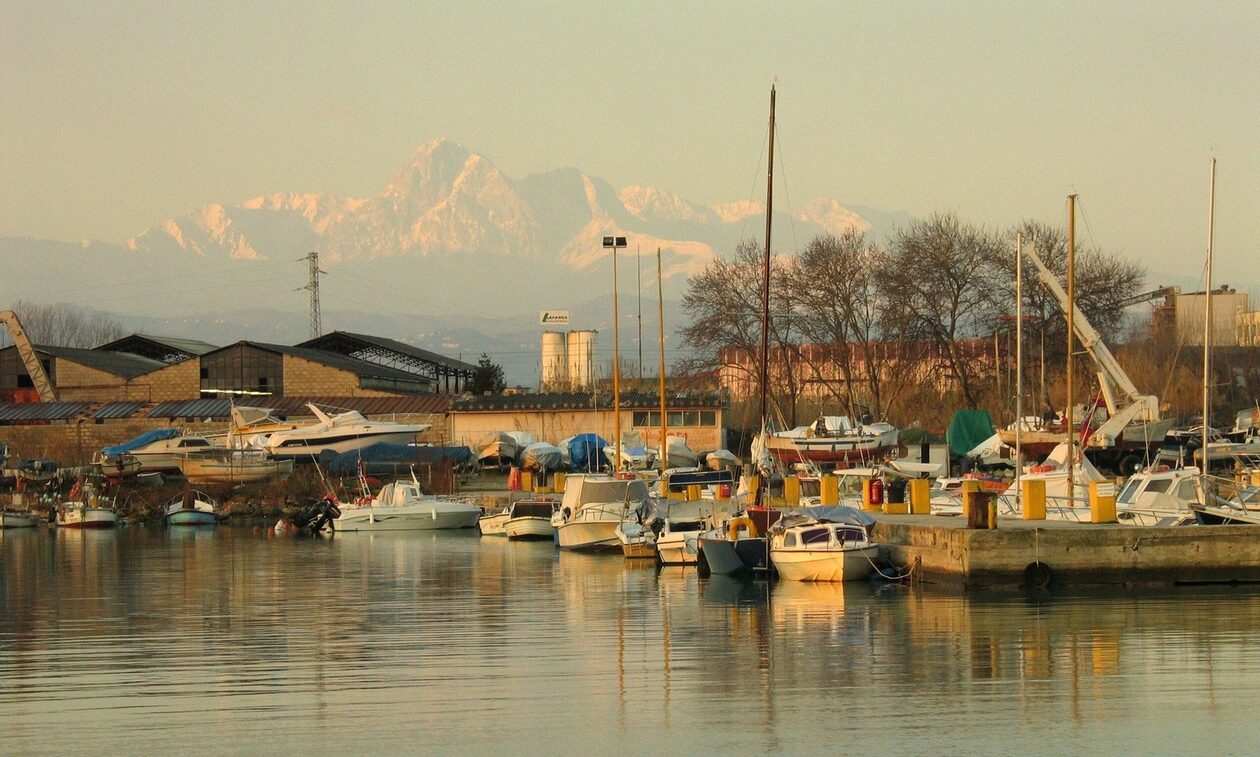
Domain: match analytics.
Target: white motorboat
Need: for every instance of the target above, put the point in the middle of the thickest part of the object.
(492, 524)
(678, 542)
(1159, 496)
(634, 454)
(233, 467)
(192, 508)
(402, 506)
(594, 505)
(823, 544)
(162, 449)
(83, 515)
(1061, 504)
(18, 519)
(501, 448)
(530, 519)
(834, 440)
(637, 540)
(344, 432)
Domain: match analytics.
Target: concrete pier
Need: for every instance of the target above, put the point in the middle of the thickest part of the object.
(1045, 553)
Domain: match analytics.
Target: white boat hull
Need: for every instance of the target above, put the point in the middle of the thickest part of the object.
(678, 549)
(824, 564)
(529, 528)
(493, 525)
(410, 518)
(309, 449)
(74, 516)
(589, 535)
(211, 471)
(18, 520)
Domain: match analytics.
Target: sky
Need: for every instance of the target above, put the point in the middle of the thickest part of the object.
(117, 115)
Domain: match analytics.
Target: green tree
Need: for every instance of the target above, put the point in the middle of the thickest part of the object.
(489, 377)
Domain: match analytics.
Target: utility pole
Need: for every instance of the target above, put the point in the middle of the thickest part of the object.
(312, 286)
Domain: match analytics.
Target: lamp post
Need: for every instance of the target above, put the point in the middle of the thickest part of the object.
(614, 243)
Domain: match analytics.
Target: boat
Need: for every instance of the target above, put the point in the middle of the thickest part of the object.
(720, 459)
(594, 505)
(634, 453)
(159, 450)
(224, 466)
(15, 517)
(1159, 496)
(118, 466)
(823, 544)
(834, 440)
(192, 508)
(492, 524)
(585, 452)
(343, 432)
(637, 540)
(402, 506)
(540, 456)
(678, 541)
(677, 454)
(501, 448)
(530, 519)
(1062, 502)
(32, 471)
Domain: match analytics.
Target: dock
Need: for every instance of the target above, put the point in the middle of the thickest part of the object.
(1041, 554)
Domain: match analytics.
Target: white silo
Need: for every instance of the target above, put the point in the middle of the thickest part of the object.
(555, 361)
(582, 359)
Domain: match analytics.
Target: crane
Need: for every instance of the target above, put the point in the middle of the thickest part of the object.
(1125, 404)
(34, 368)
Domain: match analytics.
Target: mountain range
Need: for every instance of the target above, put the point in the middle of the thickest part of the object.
(450, 238)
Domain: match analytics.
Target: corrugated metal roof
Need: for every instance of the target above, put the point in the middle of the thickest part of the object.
(117, 410)
(150, 345)
(426, 404)
(361, 368)
(327, 341)
(40, 411)
(207, 408)
(122, 364)
(574, 401)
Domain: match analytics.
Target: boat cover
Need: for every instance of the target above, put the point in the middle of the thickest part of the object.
(148, 437)
(850, 516)
(540, 456)
(968, 429)
(384, 458)
(586, 452)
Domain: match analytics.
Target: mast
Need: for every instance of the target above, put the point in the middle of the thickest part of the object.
(1019, 363)
(1207, 333)
(616, 367)
(1071, 334)
(765, 293)
(638, 261)
(660, 319)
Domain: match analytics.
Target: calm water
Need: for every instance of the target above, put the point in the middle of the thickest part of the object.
(225, 640)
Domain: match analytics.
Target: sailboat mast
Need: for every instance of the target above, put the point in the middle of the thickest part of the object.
(765, 274)
(1019, 362)
(616, 367)
(1207, 332)
(1071, 333)
(660, 319)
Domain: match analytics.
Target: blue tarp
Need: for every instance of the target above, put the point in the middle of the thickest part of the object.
(148, 437)
(390, 459)
(586, 452)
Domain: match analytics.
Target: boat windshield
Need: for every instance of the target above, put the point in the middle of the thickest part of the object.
(531, 510)
(815, 536)
(1128, 492)
(1159, 485)
(850, 536)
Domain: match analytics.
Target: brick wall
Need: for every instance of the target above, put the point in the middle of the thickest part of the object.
(306, 377)
(181, 381)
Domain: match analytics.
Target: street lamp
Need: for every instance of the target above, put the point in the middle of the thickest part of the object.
(614, 243)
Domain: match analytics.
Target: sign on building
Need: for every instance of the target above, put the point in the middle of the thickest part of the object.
(554, 317)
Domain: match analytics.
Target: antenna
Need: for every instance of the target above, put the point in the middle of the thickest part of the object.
(312, 286)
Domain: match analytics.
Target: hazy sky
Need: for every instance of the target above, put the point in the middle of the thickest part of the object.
(115, 116)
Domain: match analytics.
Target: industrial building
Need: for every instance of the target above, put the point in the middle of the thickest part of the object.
(568, 360)
(699, 417)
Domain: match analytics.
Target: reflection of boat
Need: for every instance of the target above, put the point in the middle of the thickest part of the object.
(530, 519)
(834, 440)
(402, 506)
(492, 524)
(823, 544)
(593, 506)
(343, 432)
(192, 508)
(233, 467)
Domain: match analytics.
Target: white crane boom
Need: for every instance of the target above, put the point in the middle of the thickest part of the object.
(1125, 404)
(34, 368)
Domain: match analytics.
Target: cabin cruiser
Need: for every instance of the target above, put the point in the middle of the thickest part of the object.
(594, 505)
(343, 432)
(834, 440)
(1159, 496)
(162, 449)
(823, 544)
(678, 542)
(402, 506)
(530, 519)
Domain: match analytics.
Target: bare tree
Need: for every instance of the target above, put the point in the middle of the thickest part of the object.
(65, 325)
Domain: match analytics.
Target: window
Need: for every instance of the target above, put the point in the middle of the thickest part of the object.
(641, 418)
(789, 539)
(815, 536)
(1186, 490)
(708, 418)
(1126, 494)
(1159, 486)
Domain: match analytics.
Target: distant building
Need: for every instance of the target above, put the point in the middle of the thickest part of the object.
(164, 349)
(1188, 312)
(445, 375)
(79, 375)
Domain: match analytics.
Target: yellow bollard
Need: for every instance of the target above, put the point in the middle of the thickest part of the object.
(693, 492)
(557, 482)
(920, 497)
(1034, 499)
(542, 490)
(527, 481)
(792, 491)
(1102, 502)
(829, 490)
(968, 485)
(897, 508)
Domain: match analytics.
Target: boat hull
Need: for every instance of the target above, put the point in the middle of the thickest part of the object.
(309, 449)
(493, 525)
(191, 518)
(222, 472)
(838, 450)
(398, 519)
(18, 520)
(824, 564)
(721, 556)
(529, 528)
(594, 535)
(86, 517)
(638, 550)
(678, 549)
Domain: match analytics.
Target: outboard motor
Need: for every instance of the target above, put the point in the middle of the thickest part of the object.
(315, 518)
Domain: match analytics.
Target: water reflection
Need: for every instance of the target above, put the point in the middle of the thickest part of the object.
(383, 641)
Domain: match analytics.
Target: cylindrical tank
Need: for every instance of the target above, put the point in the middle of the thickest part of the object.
(555, 361)
(582, 359)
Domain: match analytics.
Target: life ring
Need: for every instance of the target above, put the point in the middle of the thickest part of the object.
(1162, 469)
(734, 524)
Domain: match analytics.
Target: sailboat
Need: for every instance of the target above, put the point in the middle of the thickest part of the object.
(741, 544)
